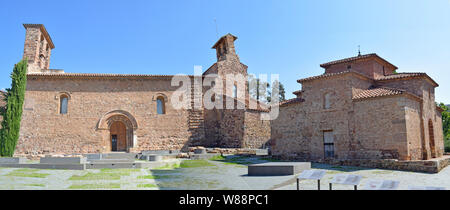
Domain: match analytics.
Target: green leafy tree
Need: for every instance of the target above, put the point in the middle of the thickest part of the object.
(257, 89)
(12, 112)
(281, 92)
(446, 125)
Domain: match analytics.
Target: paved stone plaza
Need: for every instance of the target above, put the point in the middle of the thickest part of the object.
(215, 174)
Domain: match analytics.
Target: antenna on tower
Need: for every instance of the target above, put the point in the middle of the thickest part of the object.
(217, 30)
(359, 50)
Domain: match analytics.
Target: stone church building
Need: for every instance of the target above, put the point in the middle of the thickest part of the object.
(360, 108)
(97, 113)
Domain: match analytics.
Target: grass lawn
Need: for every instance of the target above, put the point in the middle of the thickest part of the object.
(35, 185)
(147, 186)
(168, 166)
(95, 186)
(121, 171)
(97, 176)
(27, 172)
(195, 163)
(239, 160)
(155, 177)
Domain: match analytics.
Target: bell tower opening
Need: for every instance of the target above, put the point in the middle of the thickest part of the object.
(38, 47)
(225, 48)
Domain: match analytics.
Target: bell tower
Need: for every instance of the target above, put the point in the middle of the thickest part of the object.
(38, 47)
(225, 48)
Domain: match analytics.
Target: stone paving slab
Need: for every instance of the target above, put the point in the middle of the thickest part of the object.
(218, 175)
(277, 168)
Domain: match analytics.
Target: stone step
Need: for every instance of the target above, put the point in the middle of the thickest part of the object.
(112, 161)
(118, 155)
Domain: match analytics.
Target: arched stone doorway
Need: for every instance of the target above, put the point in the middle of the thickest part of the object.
(118, 131)
(118, 135)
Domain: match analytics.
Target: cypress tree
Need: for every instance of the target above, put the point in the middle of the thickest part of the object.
(12, 112)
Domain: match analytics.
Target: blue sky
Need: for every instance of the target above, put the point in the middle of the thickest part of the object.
(290, 38)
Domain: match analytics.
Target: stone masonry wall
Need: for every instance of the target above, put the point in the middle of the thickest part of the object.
(44, 130)
(257, 131)
(426, 91)
(371, 68)
(363, 129)
(380, 137)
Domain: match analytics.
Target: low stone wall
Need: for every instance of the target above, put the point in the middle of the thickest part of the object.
(232, 151)
(426, 166)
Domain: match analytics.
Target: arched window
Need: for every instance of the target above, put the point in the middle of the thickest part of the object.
(327, 101)
(63, 103)
(234, 91)
(160, 105)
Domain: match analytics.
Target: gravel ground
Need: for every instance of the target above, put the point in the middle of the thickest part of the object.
(227, 174)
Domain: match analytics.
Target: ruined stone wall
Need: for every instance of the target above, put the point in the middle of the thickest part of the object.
(45, 130)
(257, 131)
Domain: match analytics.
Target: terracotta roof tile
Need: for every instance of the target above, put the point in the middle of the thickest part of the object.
(330, 75)
(297, 92)
(406, 75)
(377, 92)
(354, 59)
(291, 101)
(91, 75)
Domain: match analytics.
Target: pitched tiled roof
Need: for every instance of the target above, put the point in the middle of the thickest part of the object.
(406, 75)
(93, 75)
(330, 75)
(377, 92)
(291, 101)
(354, 59)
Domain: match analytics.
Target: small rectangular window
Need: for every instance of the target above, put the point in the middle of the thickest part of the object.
(328, 142)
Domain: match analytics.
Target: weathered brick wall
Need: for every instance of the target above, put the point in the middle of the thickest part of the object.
(44, 130)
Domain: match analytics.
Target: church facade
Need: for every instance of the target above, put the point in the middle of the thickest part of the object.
(72, 113)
